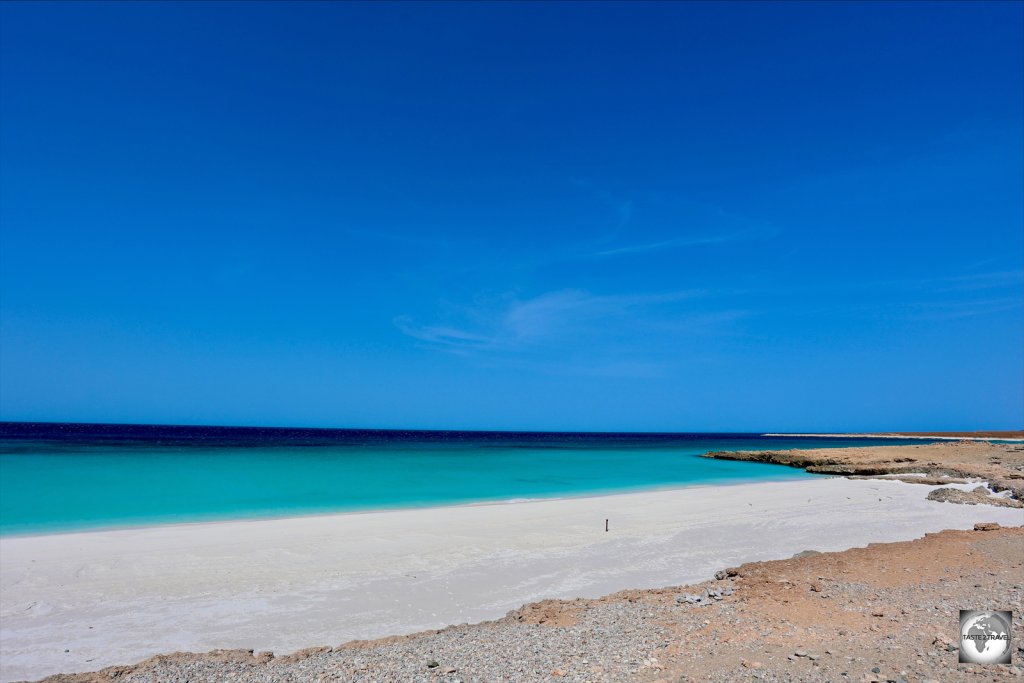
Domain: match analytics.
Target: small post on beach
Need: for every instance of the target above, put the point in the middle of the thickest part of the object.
(606, 525)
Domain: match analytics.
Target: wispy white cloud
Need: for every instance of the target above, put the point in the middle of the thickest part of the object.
(714, 225)
(676, 243)
(514, 324)
(443, 335)
(939, 284)
(953, 310)
(633, 369)
(694, 238)
(977, 281)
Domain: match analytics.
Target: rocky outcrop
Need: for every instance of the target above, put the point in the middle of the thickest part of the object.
(979, 496)
(999, 464)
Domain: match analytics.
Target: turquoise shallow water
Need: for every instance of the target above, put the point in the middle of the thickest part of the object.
(87, 477)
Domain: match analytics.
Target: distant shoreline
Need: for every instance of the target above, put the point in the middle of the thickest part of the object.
(944, 436)
(30, 428)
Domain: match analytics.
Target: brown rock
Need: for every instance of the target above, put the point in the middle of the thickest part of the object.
(986, 526)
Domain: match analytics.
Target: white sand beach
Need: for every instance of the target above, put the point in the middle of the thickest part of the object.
(82, 601)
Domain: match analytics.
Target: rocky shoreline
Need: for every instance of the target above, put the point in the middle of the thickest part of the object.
(1001, 465)
(1006, 435)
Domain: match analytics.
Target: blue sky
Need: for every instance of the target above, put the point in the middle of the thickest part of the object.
(665, 216)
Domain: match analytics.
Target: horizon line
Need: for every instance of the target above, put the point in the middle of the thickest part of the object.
(829, 433)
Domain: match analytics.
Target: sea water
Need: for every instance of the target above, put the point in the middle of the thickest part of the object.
(63, 477)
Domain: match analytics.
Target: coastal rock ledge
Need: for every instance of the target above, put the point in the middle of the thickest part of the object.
(1001, 465)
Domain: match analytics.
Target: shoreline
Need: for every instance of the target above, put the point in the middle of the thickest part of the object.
(101, 511)
(999, 464)
(938, 436)
(113, 597)
(411, 508)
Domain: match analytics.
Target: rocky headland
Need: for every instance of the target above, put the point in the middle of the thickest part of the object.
(1000, 465)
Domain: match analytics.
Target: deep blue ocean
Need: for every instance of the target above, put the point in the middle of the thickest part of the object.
(61, 477)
